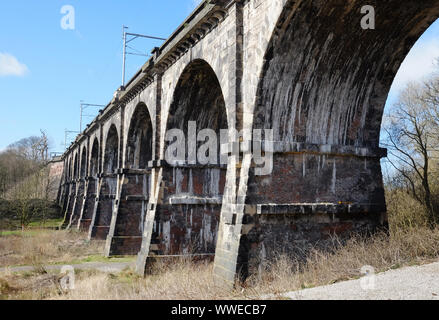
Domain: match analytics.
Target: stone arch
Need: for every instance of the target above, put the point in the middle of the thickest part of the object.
(125, 234)
(322, 91)
(91, 187)
(70, 207)
(80, 187)
(325, 80)
(76, 166)
(107, 187)
(139, 140)
(83, 172)
(111, 156)
(193, 189)
(69, 170)
(67, 182)
(197, 97)
(94, 158)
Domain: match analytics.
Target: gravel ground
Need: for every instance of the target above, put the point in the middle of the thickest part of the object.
(409, 283)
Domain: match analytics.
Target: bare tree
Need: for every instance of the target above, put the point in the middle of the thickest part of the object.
(21, 160)
(412, 141)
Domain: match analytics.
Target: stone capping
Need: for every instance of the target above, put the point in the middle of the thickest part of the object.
(190, 32)
(313, 208)
(324, 149)
(194, 200)
(109, 111)
(184, 165)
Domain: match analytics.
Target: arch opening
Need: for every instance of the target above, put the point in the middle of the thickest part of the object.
(76, 167)
(90, 188)
(139, 141)
(111, 156)
(67, 182)
(322, 91)
(94, 160)
(84, 163)
(80, 188)
(107, 187)
(134, 191)
(192, 200)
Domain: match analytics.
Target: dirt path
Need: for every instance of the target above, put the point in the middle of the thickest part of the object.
(110, 267)
(409, 283)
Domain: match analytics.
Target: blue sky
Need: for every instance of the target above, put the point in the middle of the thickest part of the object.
(45, 70)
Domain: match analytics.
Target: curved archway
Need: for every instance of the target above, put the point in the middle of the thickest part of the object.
(139, 140)
(94, 158)
(198, 97)
(91, 186)
(80, 188)
(101, 221)
(67, 183)
(70, 208)
(83, 162)
(69, 169)
(134, 185)
(111, 156)
(76, 167)
(193, 187)
(322, 91)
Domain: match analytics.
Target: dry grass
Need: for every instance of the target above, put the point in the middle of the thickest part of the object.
(408, 247)
(35, 285)
(183, 279)
(179, 280)
(45, 247)
(187, 280)
(410, 242)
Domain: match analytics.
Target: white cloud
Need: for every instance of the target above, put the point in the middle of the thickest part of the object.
(418, 64)
(10, 66)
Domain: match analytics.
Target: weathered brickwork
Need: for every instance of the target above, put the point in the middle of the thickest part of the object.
(305, 69)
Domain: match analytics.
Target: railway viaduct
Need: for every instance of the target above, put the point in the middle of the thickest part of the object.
(305, 69)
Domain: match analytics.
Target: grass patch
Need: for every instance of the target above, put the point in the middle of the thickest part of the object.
(46, 247)
(50, 223)
(99, 258)
(19, 233)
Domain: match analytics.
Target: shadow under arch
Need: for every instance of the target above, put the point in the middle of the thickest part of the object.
(70, 207)
(91, 184)
(80, 189)
(139, 139)
(125, 235)
(68, 187)
(322, 90)
(187, 218)
(107, 187)
(84, 158)
(76, 166)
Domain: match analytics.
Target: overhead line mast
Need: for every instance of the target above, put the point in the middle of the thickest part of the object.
(133, 36)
